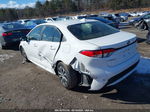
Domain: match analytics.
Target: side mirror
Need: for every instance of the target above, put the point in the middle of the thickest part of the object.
(25, 38)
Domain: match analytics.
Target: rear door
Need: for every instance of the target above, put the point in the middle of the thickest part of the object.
(49, 45)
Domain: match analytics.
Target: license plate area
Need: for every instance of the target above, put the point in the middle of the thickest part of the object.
(122, 56)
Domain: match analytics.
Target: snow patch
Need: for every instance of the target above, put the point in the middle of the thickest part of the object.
(4, 57)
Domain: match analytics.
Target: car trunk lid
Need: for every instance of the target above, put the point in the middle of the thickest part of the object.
(15, 35)
(123, 43)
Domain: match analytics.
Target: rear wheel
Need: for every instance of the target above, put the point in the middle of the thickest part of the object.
(25, 58)
(68, 77)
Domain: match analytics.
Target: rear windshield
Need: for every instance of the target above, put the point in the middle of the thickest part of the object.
(91, 30)
(13, 26)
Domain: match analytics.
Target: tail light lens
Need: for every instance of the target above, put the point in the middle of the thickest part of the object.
(6, 34)
(98, 53)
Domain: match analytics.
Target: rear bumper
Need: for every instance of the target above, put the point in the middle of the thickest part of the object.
(10, 42)
(119, 77)
(99, 84)
(112, 76)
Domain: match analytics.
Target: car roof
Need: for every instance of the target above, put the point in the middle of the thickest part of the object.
(67, 22)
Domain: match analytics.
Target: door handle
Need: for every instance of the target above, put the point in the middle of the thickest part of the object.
(40, 54)
(52, 48)
(35, 45)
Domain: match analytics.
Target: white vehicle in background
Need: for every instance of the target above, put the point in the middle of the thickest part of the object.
(49, 19)
(134, 14)
(23, 21)
(104, 14)
(140, 13)
(58, 18)
(82, 52)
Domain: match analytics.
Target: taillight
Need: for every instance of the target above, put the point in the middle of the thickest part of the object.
(6, 34)
(98, 53)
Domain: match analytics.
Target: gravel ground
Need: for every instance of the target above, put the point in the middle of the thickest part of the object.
(26, 86)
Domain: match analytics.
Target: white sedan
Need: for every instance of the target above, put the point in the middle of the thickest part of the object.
(82, 52)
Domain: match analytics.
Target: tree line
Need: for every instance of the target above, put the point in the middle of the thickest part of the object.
(56, 7)
(127, 4)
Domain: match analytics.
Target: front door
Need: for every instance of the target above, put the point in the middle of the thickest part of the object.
(32, 45)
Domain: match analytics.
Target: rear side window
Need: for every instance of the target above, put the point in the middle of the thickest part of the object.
(91, 30)
(51, 33)
(57, 35)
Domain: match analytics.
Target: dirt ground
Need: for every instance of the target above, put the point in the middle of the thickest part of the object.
(26, 86)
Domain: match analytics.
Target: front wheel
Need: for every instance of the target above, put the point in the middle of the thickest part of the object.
(68, 77)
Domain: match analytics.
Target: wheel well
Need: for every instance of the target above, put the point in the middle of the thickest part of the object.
(82, 79)
(55, 66)
(20, 47)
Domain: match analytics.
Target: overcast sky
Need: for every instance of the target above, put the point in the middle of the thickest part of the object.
(17, 3)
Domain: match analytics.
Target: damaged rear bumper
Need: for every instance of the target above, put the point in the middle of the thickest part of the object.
(98, 84)
(105, 76)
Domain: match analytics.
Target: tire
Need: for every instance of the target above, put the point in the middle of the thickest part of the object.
(25, 58)
(67, 76)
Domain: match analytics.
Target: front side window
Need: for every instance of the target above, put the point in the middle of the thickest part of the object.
(35, 34)
(91, 30)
